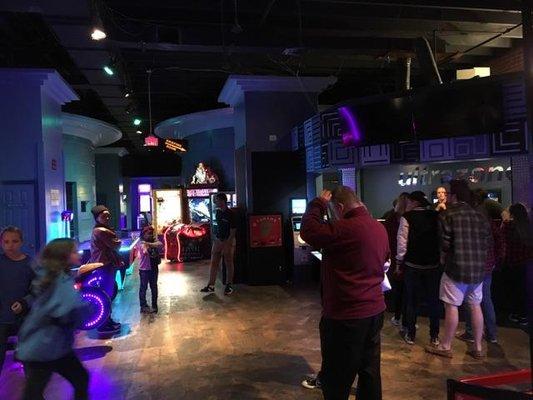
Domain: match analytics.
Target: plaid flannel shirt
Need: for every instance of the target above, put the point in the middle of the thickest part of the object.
(466, 239)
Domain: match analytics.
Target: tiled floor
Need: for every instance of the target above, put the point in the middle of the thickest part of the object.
(256, 344)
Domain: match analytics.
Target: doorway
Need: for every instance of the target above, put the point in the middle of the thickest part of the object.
(71, 191)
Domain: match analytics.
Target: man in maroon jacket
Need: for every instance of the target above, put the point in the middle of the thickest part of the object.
(354, 250)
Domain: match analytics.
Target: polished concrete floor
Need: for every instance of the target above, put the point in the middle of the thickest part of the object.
(256, 344)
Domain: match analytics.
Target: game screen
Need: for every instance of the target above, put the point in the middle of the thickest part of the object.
(298, 206)
(199, 209)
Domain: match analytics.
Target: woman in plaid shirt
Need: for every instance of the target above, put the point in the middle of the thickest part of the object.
(517, 251)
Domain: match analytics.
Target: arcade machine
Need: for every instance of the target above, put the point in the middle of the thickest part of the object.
(167, 219)
(200, 204)
(301, 252)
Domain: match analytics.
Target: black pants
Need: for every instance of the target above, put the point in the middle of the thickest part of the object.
(148, 278)
(5, 331)
(517, 280)
(38, 375)
(351, 348)
(422, 285)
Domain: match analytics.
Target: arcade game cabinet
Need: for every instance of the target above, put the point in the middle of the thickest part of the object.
(302, 259)
(167, 219)
(200, 204)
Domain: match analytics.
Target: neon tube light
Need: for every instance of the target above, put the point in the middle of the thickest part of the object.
(353, 135)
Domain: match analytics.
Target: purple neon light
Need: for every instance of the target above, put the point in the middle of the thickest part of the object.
(95, 300)
(354, 133)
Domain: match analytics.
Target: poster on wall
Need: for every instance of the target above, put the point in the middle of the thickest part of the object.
(266, 231)
(55, 198)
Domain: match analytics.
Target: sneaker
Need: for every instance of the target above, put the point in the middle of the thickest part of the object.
(514, 318)
(395, 322)
(311, 382)
(435, 341)
(407, 339)
(523, 321)
(208, 289)
(492, 340)
(228, 290)
(146, 310)
(465, 337)
(109, 328)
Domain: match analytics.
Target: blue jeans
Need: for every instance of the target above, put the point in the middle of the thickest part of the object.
(487, 307)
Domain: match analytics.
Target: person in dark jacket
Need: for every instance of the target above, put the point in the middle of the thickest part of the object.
(46, 337)
(418, 252)
(16, 275)
(104, 249)
(517, 254)
(355, 248)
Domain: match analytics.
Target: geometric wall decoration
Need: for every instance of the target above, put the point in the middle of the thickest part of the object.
(436, 150)
(341, 155)
(374, 155)
(405, 152)
(295, 142)
(521, 177)
(330, 125)
(312, 131)
(471, 147)
(313, 158)
(513, 138)
(349, 178)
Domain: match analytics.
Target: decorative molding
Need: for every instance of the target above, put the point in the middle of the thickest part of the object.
(119, 151)
(340, 155)
(99, 133)
(53, 84)
(405, 152)
(311, 131)
(375, 155)
(236, 85)
(313, 158)
(471, 147)
(436, 150)
(189, 124)
(330, 125)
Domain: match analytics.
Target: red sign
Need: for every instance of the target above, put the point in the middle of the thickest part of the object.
(152, 141)
(266, 231)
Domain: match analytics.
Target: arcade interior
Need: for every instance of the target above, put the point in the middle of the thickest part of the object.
(155, 109)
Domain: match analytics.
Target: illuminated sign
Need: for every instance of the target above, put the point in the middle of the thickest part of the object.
(200, 192)
(425, 176)
(151, 141)
(175, 145)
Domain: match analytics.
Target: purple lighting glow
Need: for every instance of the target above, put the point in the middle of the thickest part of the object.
(100, 307)
(353, 136)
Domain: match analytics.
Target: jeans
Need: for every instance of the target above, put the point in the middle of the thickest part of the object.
(351, 348)
(148, 277)
(487, 307)
(38, 375)
(420, 285)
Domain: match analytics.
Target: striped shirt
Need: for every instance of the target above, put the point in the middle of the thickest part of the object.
(466, 238)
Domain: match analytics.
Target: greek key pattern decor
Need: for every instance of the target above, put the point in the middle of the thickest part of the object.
(436, 150)
(404, 152)
(330, 125)
(341, 155)
(312, 131)
(513, 138)
(374, 155)
(471, 146)
(313, 158)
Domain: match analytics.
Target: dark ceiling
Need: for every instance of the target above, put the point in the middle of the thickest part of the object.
(192, 46)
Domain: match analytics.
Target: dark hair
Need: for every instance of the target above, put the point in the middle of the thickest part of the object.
(12, 229)
(522, 231)
(459, 187)
(55, 259)
(221, 197)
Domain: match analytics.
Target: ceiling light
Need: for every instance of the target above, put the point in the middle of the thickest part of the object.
(140, 132)
(108, 69)
(98, 34)
(136, 122)
(127, 94)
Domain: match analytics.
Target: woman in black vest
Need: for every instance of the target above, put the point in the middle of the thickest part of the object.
(418, 251)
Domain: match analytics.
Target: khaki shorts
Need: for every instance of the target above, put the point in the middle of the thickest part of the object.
(455, 293)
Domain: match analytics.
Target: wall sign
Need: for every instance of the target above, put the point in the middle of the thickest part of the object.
(55, 197)
(151, 141)
(200, 192)
(427, 176)
(178, 146)
(266, 231)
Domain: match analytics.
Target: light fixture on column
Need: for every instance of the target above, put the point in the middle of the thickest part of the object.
(110, 67)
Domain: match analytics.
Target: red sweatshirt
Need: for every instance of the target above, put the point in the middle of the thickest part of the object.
(354, 250)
